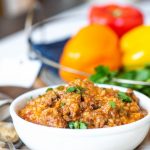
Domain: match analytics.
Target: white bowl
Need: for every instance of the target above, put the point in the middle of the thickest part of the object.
(38, 137)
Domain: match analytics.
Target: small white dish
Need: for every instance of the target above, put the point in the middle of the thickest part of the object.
(38, 137)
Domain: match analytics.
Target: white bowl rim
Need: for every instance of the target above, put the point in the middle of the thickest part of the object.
(95, 131)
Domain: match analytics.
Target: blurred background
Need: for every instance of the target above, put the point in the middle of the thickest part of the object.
(18, 39)
(13, 12)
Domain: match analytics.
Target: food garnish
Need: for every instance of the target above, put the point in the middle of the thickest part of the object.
(112, 104)
(104, 75)
(76, 89)
(49, 89)
(124, 97)
(77, 125)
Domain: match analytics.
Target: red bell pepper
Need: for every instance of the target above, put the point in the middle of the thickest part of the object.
(120, 18)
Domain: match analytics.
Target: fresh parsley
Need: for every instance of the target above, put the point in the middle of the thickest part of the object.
(112, 104)
(49, 89)
(104, 75)
(83, 125)
(77, 125)
(124, 97)
(71, 125)
(71, 89)
(76, 89)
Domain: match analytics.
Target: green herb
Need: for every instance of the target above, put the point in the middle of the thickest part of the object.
(71, 125)
(83, 125)
(77, 125)
(104, 75)
(76, 89)
(71, 89)
(112, 104)
(49, 89)
(124, 97)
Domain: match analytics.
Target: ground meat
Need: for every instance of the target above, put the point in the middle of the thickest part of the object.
(81, 104)
(51, 117)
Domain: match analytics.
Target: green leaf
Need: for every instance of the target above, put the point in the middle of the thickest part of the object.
(74, 125)
(77, 89)
(124, 97)
(146, 90)
(95, 78)
(128, 75)
(77, 125)
(71, 125)
(142, 75)
(102, 75)
(112, 104)
(83, 125)
(71, 89)
(49, 89)
(103, 70)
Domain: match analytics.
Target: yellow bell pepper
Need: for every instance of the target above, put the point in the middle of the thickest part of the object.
(135, 46)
